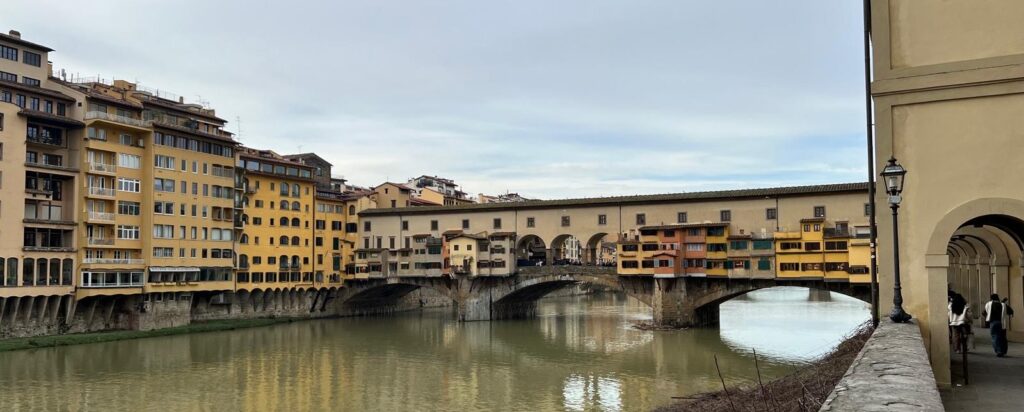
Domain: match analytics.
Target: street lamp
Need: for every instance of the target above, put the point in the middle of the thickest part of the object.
(892, 175)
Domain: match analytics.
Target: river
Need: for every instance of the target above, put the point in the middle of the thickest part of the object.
(580, 354)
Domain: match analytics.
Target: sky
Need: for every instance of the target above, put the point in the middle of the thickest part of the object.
(549, 99)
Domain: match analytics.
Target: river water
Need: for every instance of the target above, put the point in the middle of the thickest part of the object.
(580, 354)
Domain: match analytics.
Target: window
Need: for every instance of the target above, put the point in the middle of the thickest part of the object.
(819, 211)
(681, 217)
(867, 206)
(9, 77)
(127, 208)
(630, 264)
(771, 213)
(433, 225)
(9, 53)
(812, 246)
(163, 252)
(163, 208)
(163, 185)
(366, 226)
(789, 246)
(30, 82)
(789, 266)
(806, 267)
(566, 221)
(164, 162)
(835, 266)
(738, 245)
(641, 219)
(97, 134)
(497, 223)
(128, 185)
(465, 223)
(602, 219)
(127, 232)
(726, 215)
(128, 161)
(530, 222)
(764, 264)
(127, 139)
(762, 245)
(32, 59)
(163, 231)
(694, 247)
(835, 245)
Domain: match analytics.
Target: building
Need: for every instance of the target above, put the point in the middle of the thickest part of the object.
(392, 195)
(40, 191)
(790, 232)
(502, 198)
(276, 246)
(438, 190)
(430, 197)
(948, 92)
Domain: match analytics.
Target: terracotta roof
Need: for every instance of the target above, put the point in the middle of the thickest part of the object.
(497, 234)
(452, 232)
(470, 236)
(112, 100)
(745, 236)
(421, 235)
(20, 42)
(812, 220)
(789, 191)
(37, 90)
(420, 202)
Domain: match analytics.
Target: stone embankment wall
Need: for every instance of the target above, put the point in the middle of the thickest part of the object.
(41, 317)
(891, 373)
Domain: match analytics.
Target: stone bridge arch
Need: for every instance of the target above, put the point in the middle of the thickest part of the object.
(378, 296)
(703, 299)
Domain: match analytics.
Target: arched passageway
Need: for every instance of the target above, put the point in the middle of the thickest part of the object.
(566, 250)
(531, 251)
(600, 250)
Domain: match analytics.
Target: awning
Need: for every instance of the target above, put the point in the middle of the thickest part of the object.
(173, 269)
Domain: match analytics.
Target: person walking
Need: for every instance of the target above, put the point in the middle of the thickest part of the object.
(997, 317)
(959, 321)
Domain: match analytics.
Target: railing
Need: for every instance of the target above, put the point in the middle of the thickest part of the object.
(101, 241)
(102, 167)
(112, 261)
(101, 216)
(52, 141)
(101, 191)
(115, 118)
(58, 166)
(123, 279)
(221, 172)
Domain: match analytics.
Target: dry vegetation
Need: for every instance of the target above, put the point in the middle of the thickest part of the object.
(803, 390)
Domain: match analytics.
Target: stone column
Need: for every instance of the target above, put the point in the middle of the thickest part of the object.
(670, 304)
(474, 308)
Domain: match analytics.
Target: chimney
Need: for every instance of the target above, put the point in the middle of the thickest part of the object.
(15, 33)
(181, 99)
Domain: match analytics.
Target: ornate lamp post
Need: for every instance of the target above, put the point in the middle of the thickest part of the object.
(893, 175)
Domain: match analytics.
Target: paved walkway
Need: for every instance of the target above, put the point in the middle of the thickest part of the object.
(996, 384)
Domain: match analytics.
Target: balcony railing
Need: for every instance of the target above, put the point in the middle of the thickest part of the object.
(102, 167)
(115, 118)
(105, 216)
(111, 261)
(101, 191)
(101, 241)
(47, 140)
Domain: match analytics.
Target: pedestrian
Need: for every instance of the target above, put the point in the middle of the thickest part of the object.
(959, 321)
(997, 317)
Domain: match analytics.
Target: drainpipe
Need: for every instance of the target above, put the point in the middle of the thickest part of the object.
(869, 128)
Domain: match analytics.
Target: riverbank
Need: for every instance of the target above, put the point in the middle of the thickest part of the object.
(804, 390)
(98, 337)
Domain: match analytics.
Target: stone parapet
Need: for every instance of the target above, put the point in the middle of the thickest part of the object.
(891, 373)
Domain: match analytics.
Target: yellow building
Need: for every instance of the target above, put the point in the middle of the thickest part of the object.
(392, 195)
(158, 194)
(40, 142)
(276, 246)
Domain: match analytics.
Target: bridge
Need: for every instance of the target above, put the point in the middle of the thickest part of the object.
(675, 302)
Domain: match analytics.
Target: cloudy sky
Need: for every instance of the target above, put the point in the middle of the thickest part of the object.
(551, 99)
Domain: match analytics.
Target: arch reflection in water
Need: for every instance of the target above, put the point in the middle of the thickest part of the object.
(790, 323)
(582, 353)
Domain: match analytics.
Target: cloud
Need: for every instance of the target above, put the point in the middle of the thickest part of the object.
(548, 99)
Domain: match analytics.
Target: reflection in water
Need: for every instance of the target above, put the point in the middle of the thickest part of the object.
(580, 354)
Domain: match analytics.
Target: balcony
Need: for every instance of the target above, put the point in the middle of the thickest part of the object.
(102, 167)
(52, 166)
(101, 216)
(97, 115)
(100, 241)
(48, 249)
(250, 190)
(101, 191)
(111, 261)
(111, 280)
